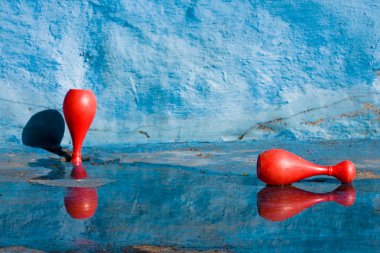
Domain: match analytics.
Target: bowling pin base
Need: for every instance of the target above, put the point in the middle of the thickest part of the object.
(76, 160)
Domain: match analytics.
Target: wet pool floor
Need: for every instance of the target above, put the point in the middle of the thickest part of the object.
(187, 197)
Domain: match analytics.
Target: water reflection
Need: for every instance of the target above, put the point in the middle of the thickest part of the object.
(280, 203)
(81, 202)
(78, 172)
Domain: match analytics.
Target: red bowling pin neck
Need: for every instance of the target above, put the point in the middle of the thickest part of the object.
(280, 167)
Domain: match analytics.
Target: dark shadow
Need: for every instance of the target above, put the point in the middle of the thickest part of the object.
(56, 166)
(45, 130)
(320, 180)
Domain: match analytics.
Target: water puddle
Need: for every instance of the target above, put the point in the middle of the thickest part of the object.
(153, 206)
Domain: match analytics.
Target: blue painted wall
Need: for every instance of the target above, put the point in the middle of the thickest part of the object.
(195, 70)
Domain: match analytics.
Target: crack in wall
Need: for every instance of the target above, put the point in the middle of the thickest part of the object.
(266, 124)
(368, 107)
(29, 104)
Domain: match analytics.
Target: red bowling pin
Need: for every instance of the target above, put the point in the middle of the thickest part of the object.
(81, 202)
(79, 108)
(280, 167)
(280, 203)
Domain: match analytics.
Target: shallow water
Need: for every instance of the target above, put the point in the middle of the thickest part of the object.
(194, 196)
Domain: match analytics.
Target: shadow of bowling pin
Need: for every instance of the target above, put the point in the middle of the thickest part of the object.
(81, 202)
(45, 130)
(276, 203)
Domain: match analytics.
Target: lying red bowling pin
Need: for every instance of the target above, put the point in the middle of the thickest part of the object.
(280, 203)
(280, 167)
(81, 202)
(79, 108)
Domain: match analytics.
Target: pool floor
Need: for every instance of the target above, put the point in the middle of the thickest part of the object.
(187, 197)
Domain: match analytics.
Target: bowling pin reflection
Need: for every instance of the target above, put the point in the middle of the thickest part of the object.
(78, 172)
(81, 202)
(276, 203)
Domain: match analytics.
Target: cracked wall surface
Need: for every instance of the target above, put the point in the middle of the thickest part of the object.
(166, 71)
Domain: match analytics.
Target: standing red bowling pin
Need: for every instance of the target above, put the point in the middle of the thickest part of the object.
(79, 108)
(280, 167)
